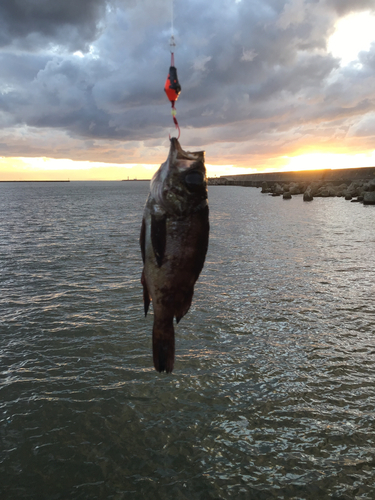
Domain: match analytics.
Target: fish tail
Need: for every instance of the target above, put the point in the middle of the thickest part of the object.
(163, 345)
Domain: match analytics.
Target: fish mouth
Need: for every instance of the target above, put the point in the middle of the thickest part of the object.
(190, 166)
(176, 153)
(183, 170)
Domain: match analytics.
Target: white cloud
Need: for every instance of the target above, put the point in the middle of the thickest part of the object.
(200, 63)
(248, 55)
(293, 13)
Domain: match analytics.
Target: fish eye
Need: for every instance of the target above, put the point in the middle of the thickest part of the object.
(194, 179)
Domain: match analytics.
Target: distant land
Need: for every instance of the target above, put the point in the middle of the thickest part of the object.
(354, 184)
(326, 175)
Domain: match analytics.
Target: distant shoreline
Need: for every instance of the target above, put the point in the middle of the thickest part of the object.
(326, 175)
(356, 185)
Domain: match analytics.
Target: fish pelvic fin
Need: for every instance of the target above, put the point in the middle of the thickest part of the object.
(184, 303)
(163, 345)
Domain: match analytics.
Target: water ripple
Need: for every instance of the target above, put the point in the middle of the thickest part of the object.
(273, 392)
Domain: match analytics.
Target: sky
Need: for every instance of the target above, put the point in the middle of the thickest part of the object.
(267, 85)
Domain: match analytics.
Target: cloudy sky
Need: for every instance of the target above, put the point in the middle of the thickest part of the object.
(266, 85)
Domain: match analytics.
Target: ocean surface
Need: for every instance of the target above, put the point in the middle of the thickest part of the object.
(273, 391)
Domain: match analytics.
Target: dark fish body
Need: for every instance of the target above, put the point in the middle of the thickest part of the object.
(174, 241)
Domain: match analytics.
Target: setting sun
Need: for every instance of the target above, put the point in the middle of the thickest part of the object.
(353, 34)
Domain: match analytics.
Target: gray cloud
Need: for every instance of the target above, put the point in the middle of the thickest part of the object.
(91, 72)
(343, 7)
(31, 24)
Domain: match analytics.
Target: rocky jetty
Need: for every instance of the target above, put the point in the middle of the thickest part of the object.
(362, 191)
(354, 184)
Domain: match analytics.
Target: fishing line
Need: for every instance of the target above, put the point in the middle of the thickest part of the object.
(172, 15)
(172, 86)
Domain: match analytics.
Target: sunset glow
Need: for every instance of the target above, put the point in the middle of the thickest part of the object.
(64, 169)
(315, 161)
(17, 169)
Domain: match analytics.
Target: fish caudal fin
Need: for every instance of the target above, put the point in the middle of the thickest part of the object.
(163, 345)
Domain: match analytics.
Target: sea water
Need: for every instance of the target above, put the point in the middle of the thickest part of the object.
(273, 391)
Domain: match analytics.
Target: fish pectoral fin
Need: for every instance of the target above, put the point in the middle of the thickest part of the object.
(158, 237)
(146, 295)
(163, 345)
(142, 240)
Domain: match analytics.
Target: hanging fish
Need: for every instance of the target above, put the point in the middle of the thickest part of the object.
(174, 241)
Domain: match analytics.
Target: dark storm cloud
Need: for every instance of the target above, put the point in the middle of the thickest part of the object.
(31, 24)
(343, 7)
(254, 71)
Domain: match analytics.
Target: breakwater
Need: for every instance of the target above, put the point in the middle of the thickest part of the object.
(356, 184)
